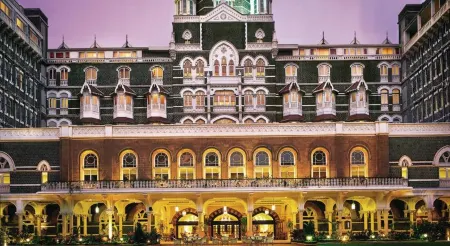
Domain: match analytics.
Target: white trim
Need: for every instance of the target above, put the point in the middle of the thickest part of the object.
(384, 87)
(384, 63)
(50, 92)
(62, 67)
(247, 57)
(69, 94)
(384, 116)
(200, 58)
(182, 61)
(255, 119)
(266, 62)
(403, 158)
(52, 67)
(438, 154)
(225, 117)
(52, 120)
(291, 64)
(123, 66)
(86, 68)
(43, 163)
(8, 158)
(24, 185)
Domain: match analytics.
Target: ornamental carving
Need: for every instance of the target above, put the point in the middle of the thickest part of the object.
(187, 35)
(260, 34)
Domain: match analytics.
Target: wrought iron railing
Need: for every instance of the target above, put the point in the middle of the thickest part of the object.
(225, 183)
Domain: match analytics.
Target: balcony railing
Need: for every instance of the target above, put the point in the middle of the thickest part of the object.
(224, 109)
(52, 82)
(64, 82)
(445, 183)
(4, 188)
(292, 108)
(232, 184)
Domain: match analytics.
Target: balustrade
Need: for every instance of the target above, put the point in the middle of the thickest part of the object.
(4, 188)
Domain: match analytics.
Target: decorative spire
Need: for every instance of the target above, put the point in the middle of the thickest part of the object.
(274, 37)
(126, 45)
(95, 44)
(63, 44)
(387, 41)
(355, 40)
(323, 41)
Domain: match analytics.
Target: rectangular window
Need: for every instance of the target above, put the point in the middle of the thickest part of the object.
(59, 55)
(19, 24)
(5, 9)
(186, 173)
(34, 38)
(224, 98)
(124, 54)
(262, 172)
(64, 102)
(52, 102)
(20, 79)
(212, 173)
(319, 172)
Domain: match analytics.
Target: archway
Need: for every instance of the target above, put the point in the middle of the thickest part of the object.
(185, 222)
(225, 222)
(265, 221)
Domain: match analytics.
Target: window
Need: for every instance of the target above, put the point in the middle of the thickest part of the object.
(200, 65)
(237, 166)
(287, 163)
(6, 166)
(161, 163)
(19, 24)
(89, 166)
(92, 55)
(5, 9)
(224, 98)
(128, 162)
(200, 99)
(124, 54)
(91, 74)
(384, 70)
(187, 67)
(324, 70)
(231, 68)
(64, 74)
(395, 70)
(260, 68)
(224, 66)
(157, 73)
(395, 96)
(52, 101)
(260, 98)
(161, 160)
(384, 97)
(34, 38)
(319, 164)
(262, 159)
(262, 163)
(124, 73)
(248, 98)
(357, 70)
(248, 68)
(358, 163)
(186, 163)
(19, 79)
(52, 74)
(216, 68)
(187, 99)
(290, 70)
(186, 160)
(64, 98)
(443, 160)
(43, 167)
(211, 161)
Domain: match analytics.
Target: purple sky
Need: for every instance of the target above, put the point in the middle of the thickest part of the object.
(149, 22)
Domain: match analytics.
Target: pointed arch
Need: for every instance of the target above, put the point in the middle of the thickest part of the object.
(43, 166)
(224, 49)
(6, 159)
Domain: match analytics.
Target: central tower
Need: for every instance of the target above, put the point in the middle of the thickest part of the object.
(246, 7)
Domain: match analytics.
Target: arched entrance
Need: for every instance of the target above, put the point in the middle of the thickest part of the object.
(225, 222)
(185, 222)
(265, 221)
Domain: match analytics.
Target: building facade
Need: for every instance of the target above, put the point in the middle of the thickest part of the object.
(23, 41)
(424, 36)
(213, 129)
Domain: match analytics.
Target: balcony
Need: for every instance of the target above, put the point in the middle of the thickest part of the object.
(123, 111)
(292, 109)
(52, 82)
(4, 188)
(255, 108)
(358, 108)
(64, 83)
(290, 79)
(156, 111)
(194, 109)
(224, 109)
(224, 80)
(384, 78)
(231, 185)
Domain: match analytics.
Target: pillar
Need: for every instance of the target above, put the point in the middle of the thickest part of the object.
(78, 216)
(411, 216)
(372, 221)
(85, 220)
(38, 218)
(201, 223)
(316, 224)
(64, 225)
(20, 217)
(430, 215)
(365, 213)
(149, 221)
(300, 218)
(329, 215)
(157, 222)
(120, 218)
(250, 223)
(70, 217)
(385, 219)
(110, 213)
(340, 222)
(379, 220)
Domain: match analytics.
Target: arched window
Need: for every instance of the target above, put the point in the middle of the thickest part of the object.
(64, 101)
(319, 163)
(260, 68)
(262, 163)
(384, 97)
(200, 99)
(260, 98)
(395, 70)
(187, 68)
(124, 73)
(383, 70)
(395, 96)
(64, 74)
(248, 68)
(216, 68)
(404, 163)
(161, 164)
(200, 65)
(211, 162)
(52, 74)
(231, 68)
(287, 162)
(187, 96)
(237, 164)
(89, 166)
(248, 98)
(52, 101)
(186, 165)
(128, 161)
(91, 75)
(224, 66)
(291, 70)
(6, 166)
(442, 159)
(324, 70)
(358, 163)
(157, 73)
(357, 69)
(44, 168)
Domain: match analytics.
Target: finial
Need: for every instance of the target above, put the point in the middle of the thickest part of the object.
(323, 41)
(126, 45)
(355, 40)
(95, 44)
(63, 44)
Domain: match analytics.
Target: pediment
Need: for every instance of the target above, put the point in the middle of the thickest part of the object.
(224, 13)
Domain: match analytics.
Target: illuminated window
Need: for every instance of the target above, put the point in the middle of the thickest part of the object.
(443, 160)
(324, 70)
(5, 9)
(287, 163)
(224, 66)
(187, 68)
(404, 163)
(157, 73)
(90, 74)
(124, 73)
(290, 70)
(6, 166)
(248, 68)
(384, 97)
(64, 100)
(211, 162)
(52, 101)
(319, 163)
(395, 70)
(395, 96)
(260, 68)
(124, 54)
(231, 68)
(358, 162)
(200, 98)
(224, 98)
(64, 74)
(262, 163)
(89, 166)
(161, 160)
(248, 98)
(260, 98)
(186, 168)
(187, 96)
(19, 24)
(357, 69)
(129, 163)
(34, 38)
(161, 164)
(216, 68)
(383, 70)
(200, 65)
(237, 164)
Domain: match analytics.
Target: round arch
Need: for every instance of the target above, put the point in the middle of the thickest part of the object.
(217, 119)
(439, 154)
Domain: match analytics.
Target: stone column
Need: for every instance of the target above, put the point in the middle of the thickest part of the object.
(316, 224)
(149, 221)
(329, 215)
(78, 216)
(300, 218)
(201, 222)
(70, 217)
(110, 213)
(38, 218)
(379, 220)
(365, 213)
(20, 217)
(240, 99)
(386, 220)
(339, 221)
(430, 215)
(85, 220)
(250, 223)
(120, 218)
(372, 221)
(411, 216)
(64, 225)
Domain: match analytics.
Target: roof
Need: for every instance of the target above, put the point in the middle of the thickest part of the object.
(289, 87)
(157, 88)
(355, 86)
(91, 89)
(322, 86)
(126, 89)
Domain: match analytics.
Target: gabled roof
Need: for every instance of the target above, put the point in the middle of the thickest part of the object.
(387, 41)
(123, 88)
(289, 87)
(157, 88)
(355, 86)
(63, 45)
(355, 40)
(322, 86)
(91, 89)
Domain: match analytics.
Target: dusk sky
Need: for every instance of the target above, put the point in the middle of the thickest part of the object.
(148, 22)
